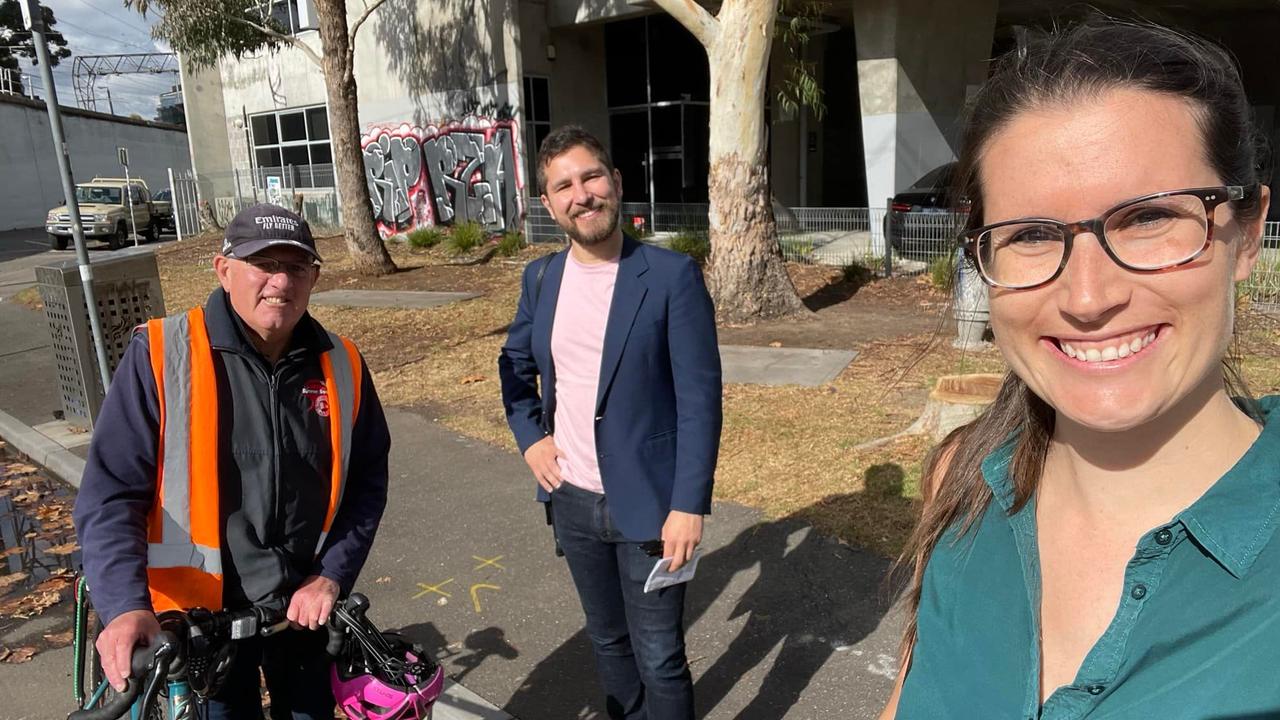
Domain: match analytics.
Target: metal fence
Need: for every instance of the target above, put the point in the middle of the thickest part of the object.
(1263, 286)
(308, 191)
(14, 82)
(840, 236)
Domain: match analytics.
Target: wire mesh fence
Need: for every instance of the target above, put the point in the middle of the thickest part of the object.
(307, 190)
(838, 236)
(1263, 285)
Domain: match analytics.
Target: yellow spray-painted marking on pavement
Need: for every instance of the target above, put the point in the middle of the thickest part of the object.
(433, 589)
(488, 561)
(475, 597)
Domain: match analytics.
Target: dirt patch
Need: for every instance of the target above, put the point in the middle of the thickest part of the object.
(849, 312)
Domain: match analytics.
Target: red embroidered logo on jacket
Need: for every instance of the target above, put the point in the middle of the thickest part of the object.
(317, 395)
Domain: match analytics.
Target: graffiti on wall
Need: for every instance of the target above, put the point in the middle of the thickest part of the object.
(444, 175)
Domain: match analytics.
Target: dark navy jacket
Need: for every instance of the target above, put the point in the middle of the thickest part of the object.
(658, 411)
(274, 468)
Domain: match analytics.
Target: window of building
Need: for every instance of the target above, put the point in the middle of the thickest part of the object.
(292, 16)
(537, 115)
(294, 145)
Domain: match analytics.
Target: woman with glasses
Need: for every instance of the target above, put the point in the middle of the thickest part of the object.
(1100, 543)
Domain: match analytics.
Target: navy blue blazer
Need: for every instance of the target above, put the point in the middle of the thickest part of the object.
(658, 412)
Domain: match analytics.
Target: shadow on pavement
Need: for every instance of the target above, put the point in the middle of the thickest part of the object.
(810, 595)
(478, 646)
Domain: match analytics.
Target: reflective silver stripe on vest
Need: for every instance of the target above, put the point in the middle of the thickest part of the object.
(182, 556)
(176, 548)
(344, 379)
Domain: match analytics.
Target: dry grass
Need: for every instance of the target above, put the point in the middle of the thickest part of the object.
(790, 451)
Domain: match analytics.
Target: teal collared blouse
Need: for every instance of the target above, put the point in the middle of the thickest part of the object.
(1197, 633)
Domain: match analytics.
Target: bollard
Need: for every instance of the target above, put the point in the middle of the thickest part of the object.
(970, 306)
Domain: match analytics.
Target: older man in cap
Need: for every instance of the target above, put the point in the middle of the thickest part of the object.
(217, 477)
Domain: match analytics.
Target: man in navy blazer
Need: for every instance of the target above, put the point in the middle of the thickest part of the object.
(611, 385)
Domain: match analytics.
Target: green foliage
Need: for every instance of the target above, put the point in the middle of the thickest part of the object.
(693, 243)
(858, 274)
(942, 271)
(205, 30)
(796, 248)
(465, 237)
(510, 244)
(172, 114)
(425, 237)
(799, 87)
(630, 231)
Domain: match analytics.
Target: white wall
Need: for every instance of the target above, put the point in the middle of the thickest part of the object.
(29, 167)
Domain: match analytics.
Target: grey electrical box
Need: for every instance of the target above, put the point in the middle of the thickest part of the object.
(126, 285)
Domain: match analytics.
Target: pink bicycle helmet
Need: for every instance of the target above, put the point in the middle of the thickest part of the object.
(377, 675)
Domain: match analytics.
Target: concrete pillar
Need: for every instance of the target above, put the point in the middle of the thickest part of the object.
(916, 61)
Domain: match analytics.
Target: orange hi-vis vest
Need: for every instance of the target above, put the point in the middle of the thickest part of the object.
(184, 530)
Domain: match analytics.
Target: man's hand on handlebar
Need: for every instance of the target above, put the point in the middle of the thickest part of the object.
(312, 602)
(116, 642)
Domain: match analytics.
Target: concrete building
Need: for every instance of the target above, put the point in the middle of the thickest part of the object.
(28, 162)
(454, 96)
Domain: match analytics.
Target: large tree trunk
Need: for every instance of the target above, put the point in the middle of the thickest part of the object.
(747, 277)
(363, 242)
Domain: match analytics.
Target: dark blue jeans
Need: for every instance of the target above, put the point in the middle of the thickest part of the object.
(638, 637)
(296, 669)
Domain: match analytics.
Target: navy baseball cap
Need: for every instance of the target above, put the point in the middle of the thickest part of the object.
(261, 226)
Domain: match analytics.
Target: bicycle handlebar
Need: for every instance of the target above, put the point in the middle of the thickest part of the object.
(354, 607)
(151, 660)
(150, 665)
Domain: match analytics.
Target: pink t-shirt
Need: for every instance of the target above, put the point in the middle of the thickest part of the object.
(577, 342)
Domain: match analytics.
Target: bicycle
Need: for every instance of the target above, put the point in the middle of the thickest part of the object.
(189, 657)
(374, 676)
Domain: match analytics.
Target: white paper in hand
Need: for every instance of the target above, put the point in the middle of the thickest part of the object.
(660, 577)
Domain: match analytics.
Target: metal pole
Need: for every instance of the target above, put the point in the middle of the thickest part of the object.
(68, 187)
(648, 110)
(128, 189)
(173, 206)
(111, 107)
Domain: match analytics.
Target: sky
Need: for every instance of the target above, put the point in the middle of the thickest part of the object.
(107, 27)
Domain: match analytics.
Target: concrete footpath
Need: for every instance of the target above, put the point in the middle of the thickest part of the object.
(782, 623)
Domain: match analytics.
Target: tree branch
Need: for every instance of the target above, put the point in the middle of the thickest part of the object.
(695, 19)
(355, 26)
(288, 39)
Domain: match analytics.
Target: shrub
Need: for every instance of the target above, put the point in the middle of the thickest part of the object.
(796, 248)
(630, 230)
(510, 243)
(465, 237)
(426, 237)
(942, 271)
(858, 274)
(692, 243)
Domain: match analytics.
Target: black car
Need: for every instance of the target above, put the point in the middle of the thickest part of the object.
(923, 219)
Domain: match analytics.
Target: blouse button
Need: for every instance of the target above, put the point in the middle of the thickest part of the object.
(1095, 689)
(1138, 592)
(1164, 537)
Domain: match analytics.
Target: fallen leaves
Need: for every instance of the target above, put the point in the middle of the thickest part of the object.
(31, 605)
(17, 655)
(473, 379)
(27, 497)
(383, 580)
(57, 640)
(6, 581)
(63, 549)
